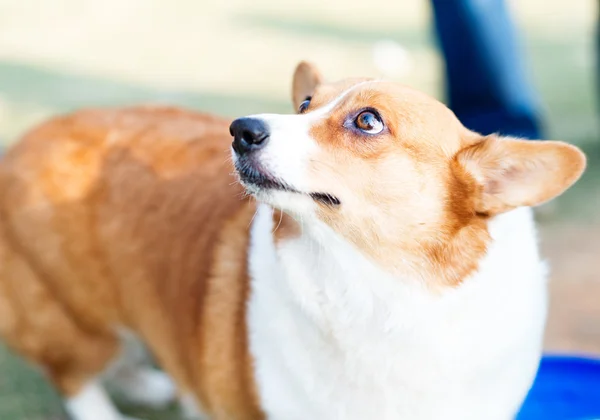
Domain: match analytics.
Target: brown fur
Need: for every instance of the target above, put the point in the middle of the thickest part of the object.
(129, 218)
(285, 227)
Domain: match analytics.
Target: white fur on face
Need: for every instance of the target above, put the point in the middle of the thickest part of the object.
(287, 155)
(285, 158)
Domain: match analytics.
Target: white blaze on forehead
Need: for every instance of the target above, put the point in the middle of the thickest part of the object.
(315, 114)
(330, 106)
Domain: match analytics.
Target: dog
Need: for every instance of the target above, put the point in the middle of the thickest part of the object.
(371, 258)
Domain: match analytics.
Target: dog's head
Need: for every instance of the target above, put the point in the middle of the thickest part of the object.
(390, 168)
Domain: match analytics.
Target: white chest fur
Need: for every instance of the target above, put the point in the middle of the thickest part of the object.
(334, 337)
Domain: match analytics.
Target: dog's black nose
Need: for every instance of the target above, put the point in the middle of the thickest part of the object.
(249, 134)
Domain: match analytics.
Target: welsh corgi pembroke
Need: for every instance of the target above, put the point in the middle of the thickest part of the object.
(370, 258)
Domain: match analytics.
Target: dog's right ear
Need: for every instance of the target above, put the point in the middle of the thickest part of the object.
(306, 78)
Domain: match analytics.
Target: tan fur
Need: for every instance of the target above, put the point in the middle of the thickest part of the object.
(128, 218)
(439, 235)
(514, 173)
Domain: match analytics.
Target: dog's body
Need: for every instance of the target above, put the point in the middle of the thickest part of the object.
(407, 285)
(128, 220)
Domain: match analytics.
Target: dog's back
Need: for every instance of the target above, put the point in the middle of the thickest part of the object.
(115, 220)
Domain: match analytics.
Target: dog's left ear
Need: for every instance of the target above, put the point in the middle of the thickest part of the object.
(306, 78)
(513, 173)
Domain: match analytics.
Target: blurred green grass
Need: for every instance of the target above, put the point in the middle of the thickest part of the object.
(31, 90)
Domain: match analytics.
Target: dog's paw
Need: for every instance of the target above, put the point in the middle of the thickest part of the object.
(189, 408)
(147, 387)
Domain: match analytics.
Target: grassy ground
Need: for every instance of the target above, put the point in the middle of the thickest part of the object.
(236, 57)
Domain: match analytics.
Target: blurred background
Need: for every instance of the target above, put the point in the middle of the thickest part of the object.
(236, 57)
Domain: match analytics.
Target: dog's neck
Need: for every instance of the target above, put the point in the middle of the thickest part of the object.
(335, 284)
(332, 283)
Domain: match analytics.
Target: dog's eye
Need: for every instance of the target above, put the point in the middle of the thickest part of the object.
(369, 122)
(304, 105)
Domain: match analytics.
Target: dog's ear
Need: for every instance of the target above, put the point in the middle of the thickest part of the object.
(512, 173)
(306, 78)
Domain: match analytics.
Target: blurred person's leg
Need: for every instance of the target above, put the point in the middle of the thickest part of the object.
(485, 76)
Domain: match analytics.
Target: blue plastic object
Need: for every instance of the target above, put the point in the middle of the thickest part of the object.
(566, 388)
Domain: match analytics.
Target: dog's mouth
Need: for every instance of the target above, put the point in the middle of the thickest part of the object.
(327, 199)
(253, 178)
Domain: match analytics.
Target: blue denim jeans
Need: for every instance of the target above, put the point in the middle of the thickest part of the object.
(487, 86)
